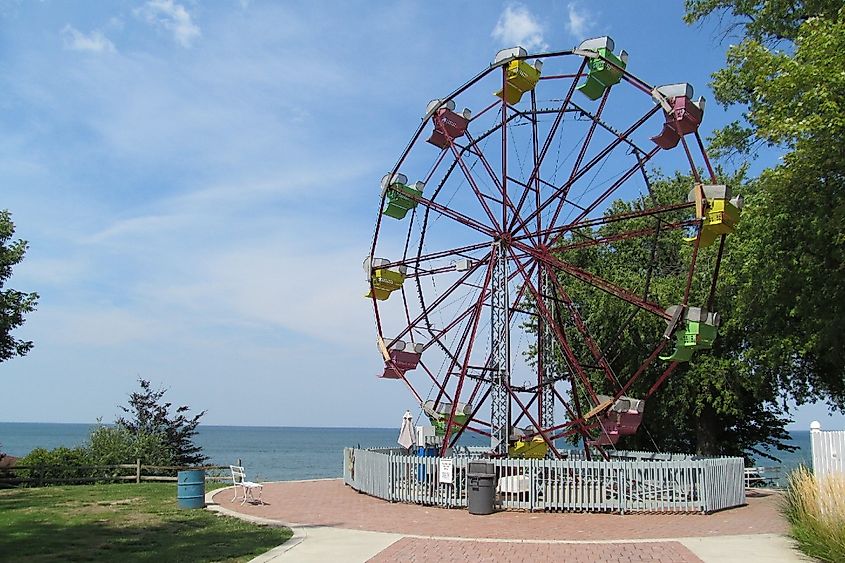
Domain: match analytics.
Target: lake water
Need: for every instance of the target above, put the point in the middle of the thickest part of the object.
(278, 453)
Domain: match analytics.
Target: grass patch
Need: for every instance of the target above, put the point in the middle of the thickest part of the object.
(815, 509)
(125, 522)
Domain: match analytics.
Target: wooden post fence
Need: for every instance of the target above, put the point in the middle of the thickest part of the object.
(40, 475)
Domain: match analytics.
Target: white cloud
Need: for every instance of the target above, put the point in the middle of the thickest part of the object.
(172, 17)
(518, 26)
(579, 22)
(95, 42)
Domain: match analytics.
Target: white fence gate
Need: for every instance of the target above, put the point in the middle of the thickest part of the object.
(828, 450)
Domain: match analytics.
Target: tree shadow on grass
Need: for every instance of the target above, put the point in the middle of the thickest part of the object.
(30, 533)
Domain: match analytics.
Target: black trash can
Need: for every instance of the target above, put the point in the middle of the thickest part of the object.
(481, 488)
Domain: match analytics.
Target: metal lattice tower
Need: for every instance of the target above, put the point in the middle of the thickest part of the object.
(547, 354)
(500, 351)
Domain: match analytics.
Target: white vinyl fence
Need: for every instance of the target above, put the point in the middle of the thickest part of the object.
(828, 450)
(634, 482)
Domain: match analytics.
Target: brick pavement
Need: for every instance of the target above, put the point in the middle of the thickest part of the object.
(331, 503)
(419, 550)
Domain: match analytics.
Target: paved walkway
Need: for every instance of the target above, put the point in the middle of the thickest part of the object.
(332, 522)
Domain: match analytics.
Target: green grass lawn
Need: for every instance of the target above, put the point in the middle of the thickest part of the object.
(125, 522)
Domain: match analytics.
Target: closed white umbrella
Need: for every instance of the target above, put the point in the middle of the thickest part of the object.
(406, 433)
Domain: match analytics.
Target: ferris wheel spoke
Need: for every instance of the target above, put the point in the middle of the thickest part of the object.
(473, 313)
(581, 326)
(544, 435)
(462, 376)
(478, 194)
(626, 235)
(575, 425)
(666, 373)
(454, 356)
(585, 211)
(506, 199)
(583, 152)
(641, 161)
(709, 166)
(436, 382)
(641, 370)
(587, 167)
(556, 234)
(459, 432)
(445, 295)
(422, 258)
(595, 281)
(518, 419)
(580, 158)
(444, 331)
(535, 172)
(562, 341)
(454, 215)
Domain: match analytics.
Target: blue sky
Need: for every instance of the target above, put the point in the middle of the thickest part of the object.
(199, 182)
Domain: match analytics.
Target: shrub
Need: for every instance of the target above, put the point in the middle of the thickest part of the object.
(112, 445)
(59, 463)
(815, 509)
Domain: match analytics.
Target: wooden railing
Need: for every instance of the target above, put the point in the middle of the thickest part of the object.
(38, 475)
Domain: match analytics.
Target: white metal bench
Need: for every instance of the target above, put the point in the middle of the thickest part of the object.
(247, 488)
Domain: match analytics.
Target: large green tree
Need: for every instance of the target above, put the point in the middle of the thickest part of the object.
(14, 304)
(781, 291)
(721, 401)
(787, 75)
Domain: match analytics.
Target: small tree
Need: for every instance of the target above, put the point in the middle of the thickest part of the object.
(13, 304)
(112, 445)
(148, 416)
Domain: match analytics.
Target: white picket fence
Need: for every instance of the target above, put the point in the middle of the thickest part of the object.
(635, 483)
(828, 450)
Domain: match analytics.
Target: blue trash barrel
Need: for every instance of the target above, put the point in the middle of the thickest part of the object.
(424, 452)
(191, 488)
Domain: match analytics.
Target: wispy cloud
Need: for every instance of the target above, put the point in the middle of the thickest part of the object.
(173, 17)
(94, 42)
(518, 26)
(579, 22)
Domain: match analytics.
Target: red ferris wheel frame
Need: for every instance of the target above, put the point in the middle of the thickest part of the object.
(520, 260)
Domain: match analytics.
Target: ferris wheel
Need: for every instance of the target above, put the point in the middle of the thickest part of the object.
(497, 223)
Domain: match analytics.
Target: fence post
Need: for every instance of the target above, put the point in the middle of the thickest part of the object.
(138, 470)
(40, 473)
(815, 453)
(623, 491)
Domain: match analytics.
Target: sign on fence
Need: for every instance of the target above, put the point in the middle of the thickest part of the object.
(447, 470)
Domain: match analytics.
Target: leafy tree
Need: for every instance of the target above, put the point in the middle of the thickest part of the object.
(787, 75)
(13, 304)
(721, 401)
(148, 416)
(781, 290)
(112, 445)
